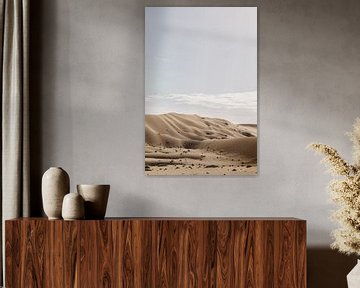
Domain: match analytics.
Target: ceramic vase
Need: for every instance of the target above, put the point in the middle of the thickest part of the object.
(353, 278)
(96, 198)
(73, 207)
(55, 185)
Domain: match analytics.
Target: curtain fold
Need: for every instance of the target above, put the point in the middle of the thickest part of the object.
(15, 162)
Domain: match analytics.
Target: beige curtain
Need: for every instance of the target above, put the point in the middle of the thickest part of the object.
(14, 25)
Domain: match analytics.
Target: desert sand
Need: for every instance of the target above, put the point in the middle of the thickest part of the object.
(182, 144)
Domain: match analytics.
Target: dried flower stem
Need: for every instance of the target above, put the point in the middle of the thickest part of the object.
(345, 192)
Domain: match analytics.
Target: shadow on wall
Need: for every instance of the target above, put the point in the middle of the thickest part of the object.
(328, 268)
(139, 207)
(35, 64)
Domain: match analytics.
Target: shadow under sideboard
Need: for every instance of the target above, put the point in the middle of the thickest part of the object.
(328, 268)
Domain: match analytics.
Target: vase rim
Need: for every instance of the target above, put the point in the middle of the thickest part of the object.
(93, 185)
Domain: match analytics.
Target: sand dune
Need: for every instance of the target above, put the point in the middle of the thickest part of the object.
(200, 145)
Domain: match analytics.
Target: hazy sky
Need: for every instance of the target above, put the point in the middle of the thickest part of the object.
(201, 61)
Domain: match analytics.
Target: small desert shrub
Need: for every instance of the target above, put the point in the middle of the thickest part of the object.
(345, 192)
(190, 144)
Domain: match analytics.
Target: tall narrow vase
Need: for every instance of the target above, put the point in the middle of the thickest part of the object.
(55, 185)
(353, 278)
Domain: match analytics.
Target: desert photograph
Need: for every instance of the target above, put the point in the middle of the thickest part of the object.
(200, 91)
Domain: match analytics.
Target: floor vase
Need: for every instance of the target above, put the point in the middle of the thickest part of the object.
(353, 278)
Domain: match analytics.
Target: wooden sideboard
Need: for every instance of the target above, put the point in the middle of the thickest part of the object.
(156, 252)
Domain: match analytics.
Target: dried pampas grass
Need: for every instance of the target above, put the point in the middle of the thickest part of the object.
(345, 192)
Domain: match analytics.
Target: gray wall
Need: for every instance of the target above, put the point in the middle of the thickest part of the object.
(87, 89)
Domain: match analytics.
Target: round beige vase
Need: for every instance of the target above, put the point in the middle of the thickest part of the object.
(73, 207)
(55, 185)
(96, 198)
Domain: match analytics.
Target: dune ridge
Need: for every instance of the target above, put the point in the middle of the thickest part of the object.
(198, 144)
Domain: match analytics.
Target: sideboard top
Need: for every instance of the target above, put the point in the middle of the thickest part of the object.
(174, 219)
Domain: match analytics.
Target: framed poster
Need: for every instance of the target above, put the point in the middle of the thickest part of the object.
(201, 90)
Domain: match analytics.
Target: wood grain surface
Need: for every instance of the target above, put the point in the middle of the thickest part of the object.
(158, 252)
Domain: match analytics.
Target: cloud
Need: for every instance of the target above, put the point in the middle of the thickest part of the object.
(238, 107)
